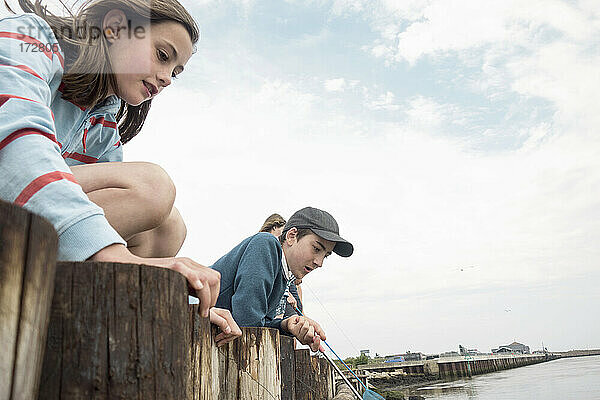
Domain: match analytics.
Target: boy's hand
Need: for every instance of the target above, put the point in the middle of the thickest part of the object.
(224, 320)
(305, 330)
(292, 300)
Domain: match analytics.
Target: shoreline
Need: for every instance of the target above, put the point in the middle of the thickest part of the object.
(403, 387)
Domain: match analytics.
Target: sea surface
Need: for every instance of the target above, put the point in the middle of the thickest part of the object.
(567, 378)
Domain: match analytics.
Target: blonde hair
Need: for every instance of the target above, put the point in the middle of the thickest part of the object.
(88, 75)
(273, 221)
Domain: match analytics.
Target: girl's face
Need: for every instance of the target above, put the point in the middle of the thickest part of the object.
(145, 59)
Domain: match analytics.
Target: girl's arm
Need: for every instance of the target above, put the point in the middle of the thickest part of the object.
(34, 174)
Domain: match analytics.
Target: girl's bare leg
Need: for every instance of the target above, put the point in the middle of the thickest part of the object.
(162, 241)
(137, 199)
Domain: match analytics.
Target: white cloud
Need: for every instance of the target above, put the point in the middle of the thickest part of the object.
(546, 50)
(335, 85)
(411, 30)
(385, 101)
(427, 112)
(565, 74)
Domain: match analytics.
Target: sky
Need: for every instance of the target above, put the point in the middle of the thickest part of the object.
(455, 142)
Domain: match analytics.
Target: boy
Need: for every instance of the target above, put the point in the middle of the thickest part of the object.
(255, 273)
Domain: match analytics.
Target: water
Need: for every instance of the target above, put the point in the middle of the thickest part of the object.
(567, 378)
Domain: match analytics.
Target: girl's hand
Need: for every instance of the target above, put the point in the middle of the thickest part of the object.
(204, 281)
(224, 320)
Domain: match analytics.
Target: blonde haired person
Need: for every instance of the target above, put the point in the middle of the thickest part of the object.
(273, 224)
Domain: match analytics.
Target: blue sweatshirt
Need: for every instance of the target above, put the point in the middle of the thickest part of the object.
(41, 135)
(252, 281)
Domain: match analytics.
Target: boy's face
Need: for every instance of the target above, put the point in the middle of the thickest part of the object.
(306, 254)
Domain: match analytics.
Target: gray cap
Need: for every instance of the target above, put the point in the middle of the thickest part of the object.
(322, 224)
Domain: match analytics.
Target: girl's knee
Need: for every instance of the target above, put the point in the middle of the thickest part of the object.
(178, 229)
(163, 241)
(156, 192)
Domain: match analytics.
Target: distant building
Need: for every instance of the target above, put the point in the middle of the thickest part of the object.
(394, 359)
(467, 352)
(449, 354)
(408, 356)
(502, 350)
(514, 347)
(365, 352)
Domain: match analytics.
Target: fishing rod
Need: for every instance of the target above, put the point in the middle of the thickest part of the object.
(368, 394)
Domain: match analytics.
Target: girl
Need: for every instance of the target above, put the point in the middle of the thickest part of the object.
(273, 224)
(73, 90)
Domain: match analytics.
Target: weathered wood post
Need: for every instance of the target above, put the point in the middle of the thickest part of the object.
(303, 375)
(249, 367)
(288, 368)
(200, 379)
(260, 372)
(343, 392)
(117, 331)
(224, 371)
(314, 380)
(28, 246)
(327, 378)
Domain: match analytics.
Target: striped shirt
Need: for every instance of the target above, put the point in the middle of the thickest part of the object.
(41, 135)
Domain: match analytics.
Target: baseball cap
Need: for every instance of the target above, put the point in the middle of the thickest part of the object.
(322, 224)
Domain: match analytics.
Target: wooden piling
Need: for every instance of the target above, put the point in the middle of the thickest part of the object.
(314, 379)
(28, 246)
(260, 373)
(200, 355)
(343, 392)
(288, 368)
(116, 331)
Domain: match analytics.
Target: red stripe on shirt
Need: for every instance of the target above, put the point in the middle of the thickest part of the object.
(80, 157)
(83, 139)
(23, 68)
(40, 182)
(24, 132)
(4, 98)
(103, 122)
(42, 47)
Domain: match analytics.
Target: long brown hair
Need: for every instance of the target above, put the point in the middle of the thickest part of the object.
(88, 75)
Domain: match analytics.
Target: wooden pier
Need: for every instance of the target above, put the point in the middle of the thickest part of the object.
(456, 367)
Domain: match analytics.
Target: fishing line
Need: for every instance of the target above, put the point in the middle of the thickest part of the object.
(331, 316)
